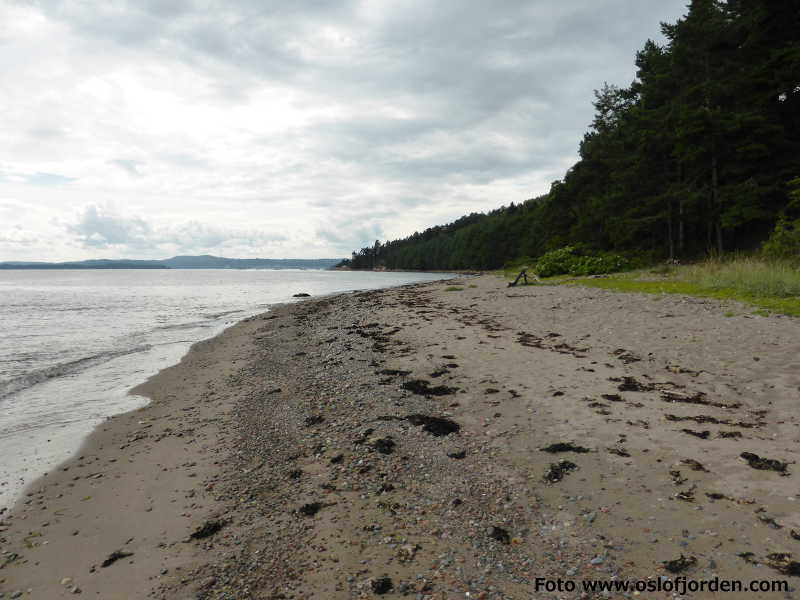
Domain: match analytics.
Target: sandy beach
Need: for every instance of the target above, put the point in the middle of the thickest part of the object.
(390, 443)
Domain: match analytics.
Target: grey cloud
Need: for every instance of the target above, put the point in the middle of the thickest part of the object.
(126, 23)
(348, 234)
(411, 105)
(9, 210)
(129, 166)
(497, 50)
(47, 133)
(451, 61)
(39, 178)
(475, 152)
(17, 236)
(198, 235)
(100, 228)
(184, 160)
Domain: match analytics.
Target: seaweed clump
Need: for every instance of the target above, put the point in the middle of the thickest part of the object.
(679, 564)
(764, 464)
(557, 471)
(436, 426)
(565, 447)
(423, 388)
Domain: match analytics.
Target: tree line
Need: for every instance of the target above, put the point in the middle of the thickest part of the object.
(701, 152)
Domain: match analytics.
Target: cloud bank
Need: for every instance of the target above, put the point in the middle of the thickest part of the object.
(291, 128)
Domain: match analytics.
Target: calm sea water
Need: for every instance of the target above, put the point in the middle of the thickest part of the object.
(72, 343)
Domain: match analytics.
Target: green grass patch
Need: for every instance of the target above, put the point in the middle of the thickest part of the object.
(771, 292)
(453, 288)
(771, 285)
(748, 275)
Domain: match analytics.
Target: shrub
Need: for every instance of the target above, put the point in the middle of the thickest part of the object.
(595, 265)
(556, 262)
(784, 241)
(572, 260)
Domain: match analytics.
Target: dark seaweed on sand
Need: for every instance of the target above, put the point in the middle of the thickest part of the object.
(694, 465)
(612, 397)
(384, 445)
(382, 585)
(310, 509)
(629, 384)
(423, 388)
(703, 435)
(501, 535)
(114, 557)
(314, 420)
(764, 464)
(207, 529)
(564, 447)
(782, 562)
(436, 426)
(557, 470)
(679, 564)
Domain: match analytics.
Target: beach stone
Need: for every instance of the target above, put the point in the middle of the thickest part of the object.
(66, 581)
(382, 585)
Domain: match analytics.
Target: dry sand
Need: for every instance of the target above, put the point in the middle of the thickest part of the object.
(295, 432)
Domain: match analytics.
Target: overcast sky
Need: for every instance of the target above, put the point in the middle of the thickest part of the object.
(290, 128)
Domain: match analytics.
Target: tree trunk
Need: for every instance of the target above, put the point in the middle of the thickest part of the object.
(717, 212)
(670, 240)
(681, 198)
(714, 224)
(670, 243)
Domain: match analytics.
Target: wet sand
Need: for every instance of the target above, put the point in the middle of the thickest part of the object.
(390, 443)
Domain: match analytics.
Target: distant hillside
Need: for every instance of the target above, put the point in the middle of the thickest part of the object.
(87, 264)
(217, 262)
(182, 262)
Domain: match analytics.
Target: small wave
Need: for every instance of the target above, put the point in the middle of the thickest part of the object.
(222, 314)
(58, 422)
(191, 325)
(173, 342)
(67, 368)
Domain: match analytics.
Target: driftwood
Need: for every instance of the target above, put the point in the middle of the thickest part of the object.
(524, 276)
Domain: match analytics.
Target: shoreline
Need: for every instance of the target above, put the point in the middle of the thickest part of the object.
(268, 421)
(20, 474)
(464, 272)
(128, 395)
(141, 463)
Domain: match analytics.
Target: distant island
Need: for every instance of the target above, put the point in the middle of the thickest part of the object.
(182, 262)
